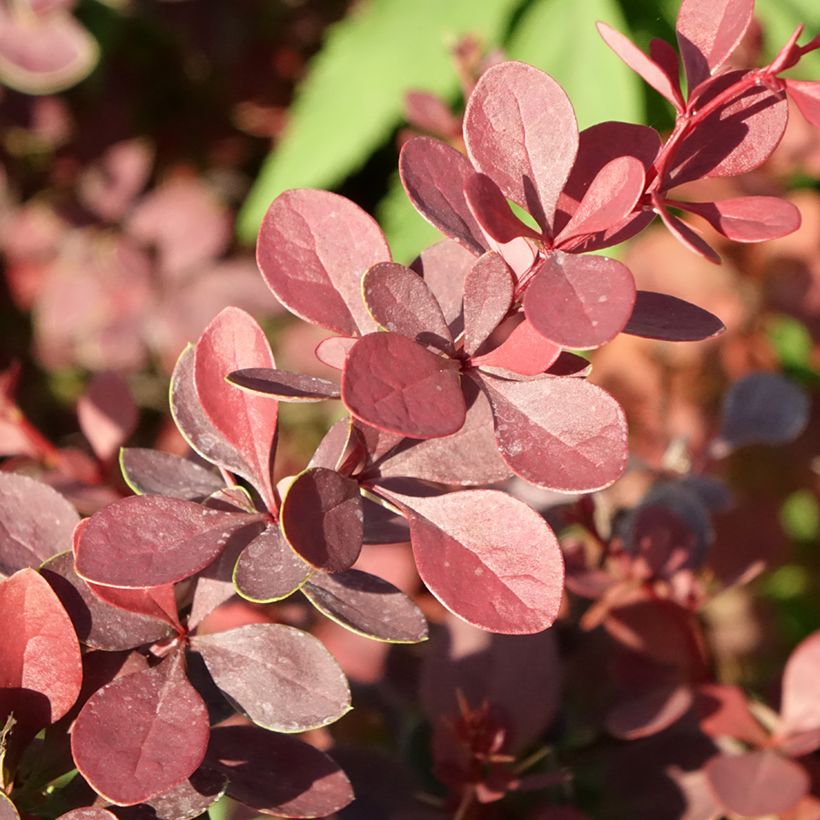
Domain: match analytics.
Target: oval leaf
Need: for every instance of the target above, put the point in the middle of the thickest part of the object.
(661, 316)
(151, 472)
(748, 218)
(488, 295)
(284, 386)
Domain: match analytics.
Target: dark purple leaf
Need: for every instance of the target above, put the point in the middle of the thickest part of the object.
(488, 295)
(661, 316)
(151, 472)
(383, 526)
(313, 248)
(282, 678)
(367, 605)
(107, 414)
(748, 218)
(284, 386)
(142, 734)
(491, 210)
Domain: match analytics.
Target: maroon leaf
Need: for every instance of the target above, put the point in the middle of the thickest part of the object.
(563, 434)
(284, 386)
(313, 248)
(339, 445)
(277, 774)
(400, 301)
(97, 624)
(689, 237)
(234, 341)
(660, 316)
(395, 384)
(36, 522)
(150, 540)
(757, 783)
(154, 602)
(806, 96)
(107, 414)
(268, 569)
(799, 732)
(40, 666)
(647, 713)
(367, 605)
(487, 557)
(523, 351)
(748, 218)
(708, 32)
(580, 301)
(282, 678)
(434, 175)
(142, 734)
(383, 526)
(492, 211)
(520, 130)
(488, 296)
(151, 472)
(188, 800)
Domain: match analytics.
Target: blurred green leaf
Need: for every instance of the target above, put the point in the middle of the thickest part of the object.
(791, 341)
(780, 18)
(560, 37)
(353, 96)
(786, 582)
(800, 516)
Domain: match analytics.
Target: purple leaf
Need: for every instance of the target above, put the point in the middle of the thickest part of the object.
(563, 434)
(142, 734)
(395, 384)
(313, 248)
(487, 557)
(146, 541)
(282, 678)
(748, 218)
(523, 351)
(36, 522)
(151, 472)
(520, 130)
(580, 301)
(492, 211)
(284, 386)
(367, 605)
(234, 341)
(660, 316)
(276, 774)
(434, 175)
(488, 295)
(401, 302)
(806, 96)
(107, 414)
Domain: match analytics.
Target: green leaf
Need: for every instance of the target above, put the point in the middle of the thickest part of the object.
(780, 18)
(791, 340)
(353, 96)
(559, 37)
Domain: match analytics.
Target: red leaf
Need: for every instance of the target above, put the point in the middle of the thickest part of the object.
(395, 384)
(488, 296)
(282, 678)
(234, 341)
(647, 713)
(520, 130)
(580, 301)
(36, 522)
(154, 602)
(107, 414)
(688, 236)
(806, 96)
(277, 774)
(723, 711)
(40, 666)
(284, 386)
(523, 351)
(652, 73)
(321, 518)
(708, 32)
(487, 557)
(340, 444)
(434, 175)
(151, 472)
(800, 707)
(142, 734)
(748, 218)
(492, 211)
(400, 301)
(660, 316)
(757, 783)
(313, 248)
(149, 540)
(560, 433)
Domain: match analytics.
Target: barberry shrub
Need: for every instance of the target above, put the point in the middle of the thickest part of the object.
(457, 373)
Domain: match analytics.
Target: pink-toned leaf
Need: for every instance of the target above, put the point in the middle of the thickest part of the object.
(36, 522)
(284, 386)
(234, 341)
(688, 236)
(723, 711)
(488, 296)
(661, 316)
(517, 348)
(401, 302)
(563, 434)
(487, 557)
(151, 472)
(434, 175)
(97, 624)
(647, 67)
(276, 774)
(430, 113)
(88, 813)
(757, 783)
(40, 666)
(748, 218)
(321, 519)
(107, 414)
(333, 351)
(491, 210)
(580, 301)
(395, 384)
(708, 31)
(520, 130)
(312, 250)
(268, 569)
(282, 678)
(150, 541)
(649, 712)
(8, 811)
(806, 96)
(142, 734)
(800, 707)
